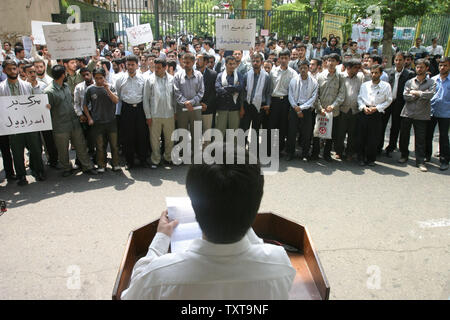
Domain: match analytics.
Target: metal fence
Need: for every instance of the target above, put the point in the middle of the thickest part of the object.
(195, 17)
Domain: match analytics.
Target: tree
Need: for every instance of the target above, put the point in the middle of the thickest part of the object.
(389, 11)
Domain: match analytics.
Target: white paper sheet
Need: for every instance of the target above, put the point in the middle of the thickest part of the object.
(180, 208)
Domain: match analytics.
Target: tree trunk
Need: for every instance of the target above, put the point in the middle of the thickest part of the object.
(388, 33)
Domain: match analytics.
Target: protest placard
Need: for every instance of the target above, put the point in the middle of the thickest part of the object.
(26, 113)
(139, 34)
(235, 34)
(38, 32)
(75, 42)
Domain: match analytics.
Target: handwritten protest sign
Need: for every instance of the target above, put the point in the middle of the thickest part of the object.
(235, 34)
(76, 42)
(139, 34)
(38, 32)
(20, 114)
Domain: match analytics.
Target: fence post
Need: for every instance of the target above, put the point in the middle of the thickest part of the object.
(447, 50)
(418, 27)
(156, 12)
(244, 9)
(267, 8)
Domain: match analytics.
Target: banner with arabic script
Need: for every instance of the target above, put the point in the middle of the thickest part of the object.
(139, 34)
(66, 41)
(21, 114)
(235, 34)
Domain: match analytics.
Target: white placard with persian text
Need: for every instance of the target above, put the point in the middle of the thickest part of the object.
(38, 32)
(235, 34)
(27, 113)
(75, 42)
(140, 34)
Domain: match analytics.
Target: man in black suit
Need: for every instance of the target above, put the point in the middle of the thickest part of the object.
(208, 101)
(397, 79)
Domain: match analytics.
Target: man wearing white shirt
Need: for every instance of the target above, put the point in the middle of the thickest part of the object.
(230, 261)
(374, 97)
(130, 89)
(42, 76)
(303, 91)
(435, 49)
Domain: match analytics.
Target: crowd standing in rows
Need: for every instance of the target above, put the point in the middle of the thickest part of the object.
(134, 101)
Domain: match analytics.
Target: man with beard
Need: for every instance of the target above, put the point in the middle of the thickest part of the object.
(66, 124)
(42, 76)
(30, 140)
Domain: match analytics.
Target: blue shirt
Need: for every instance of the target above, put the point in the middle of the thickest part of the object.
(440, 103)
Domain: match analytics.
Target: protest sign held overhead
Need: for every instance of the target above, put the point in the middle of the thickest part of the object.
(26, 113)
(65, 43)
(140, 34)
(235, 34)
(38, 32)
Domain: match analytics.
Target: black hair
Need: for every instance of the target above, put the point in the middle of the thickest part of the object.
(161, 61)
(99, 71)
(423, 61)
(84, 69)
(225, 197)
(284, 52)
(334, 56)
(301, 45)
(27, 66)
(302, 63)
(171, 63)
(319, 61)
(132, 58)
(18, 49)
(229, 58)
(8, 62)
(377, 66)
(68, 60)
(58, 71)
(376, 58)
(352, 62)
(106, 63)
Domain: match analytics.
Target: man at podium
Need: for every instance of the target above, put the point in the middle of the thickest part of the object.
(230, 261)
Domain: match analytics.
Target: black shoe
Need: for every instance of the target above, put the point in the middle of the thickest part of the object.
(427, 159)
(66, 174)
(402, 160)
(52, 165)
(314, 157)
(443, 167)
(22, 181)
(129, 167)
(362, 163)
(371, 164)
(153, 166)
(91, 172)
(41, 176)
(289, 157)
(388, 153)
(11, 177)
(327, 158)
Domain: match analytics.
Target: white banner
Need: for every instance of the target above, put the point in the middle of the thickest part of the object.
(75, 42)
(38, 32)
(361, 36)
(20, 114)
(139, 34)
(235, 34)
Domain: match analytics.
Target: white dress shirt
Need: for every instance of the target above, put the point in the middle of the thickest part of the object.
(303, 93)
(378, 95)
(280, 80)
(434, 51)
(247, 269)
(78, 97)
(130, 89)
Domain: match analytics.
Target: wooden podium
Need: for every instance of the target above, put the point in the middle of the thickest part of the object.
(310, 282)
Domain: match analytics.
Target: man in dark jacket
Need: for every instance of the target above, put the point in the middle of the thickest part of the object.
(229, 88)
(397, 79)
(208, 101)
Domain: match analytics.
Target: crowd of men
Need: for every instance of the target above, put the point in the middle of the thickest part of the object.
(134, 101)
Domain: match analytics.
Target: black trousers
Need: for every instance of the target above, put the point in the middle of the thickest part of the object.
(444, 148)
(369, 127)
(302, 126)
(347, 127)
(6, 155)
(135, 134)
(328, 142)
(420, 133)
(254, 117)
(50, 146)
(278, 119)
(393, 112)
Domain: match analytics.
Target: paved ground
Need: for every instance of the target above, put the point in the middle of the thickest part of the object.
(381, 233)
